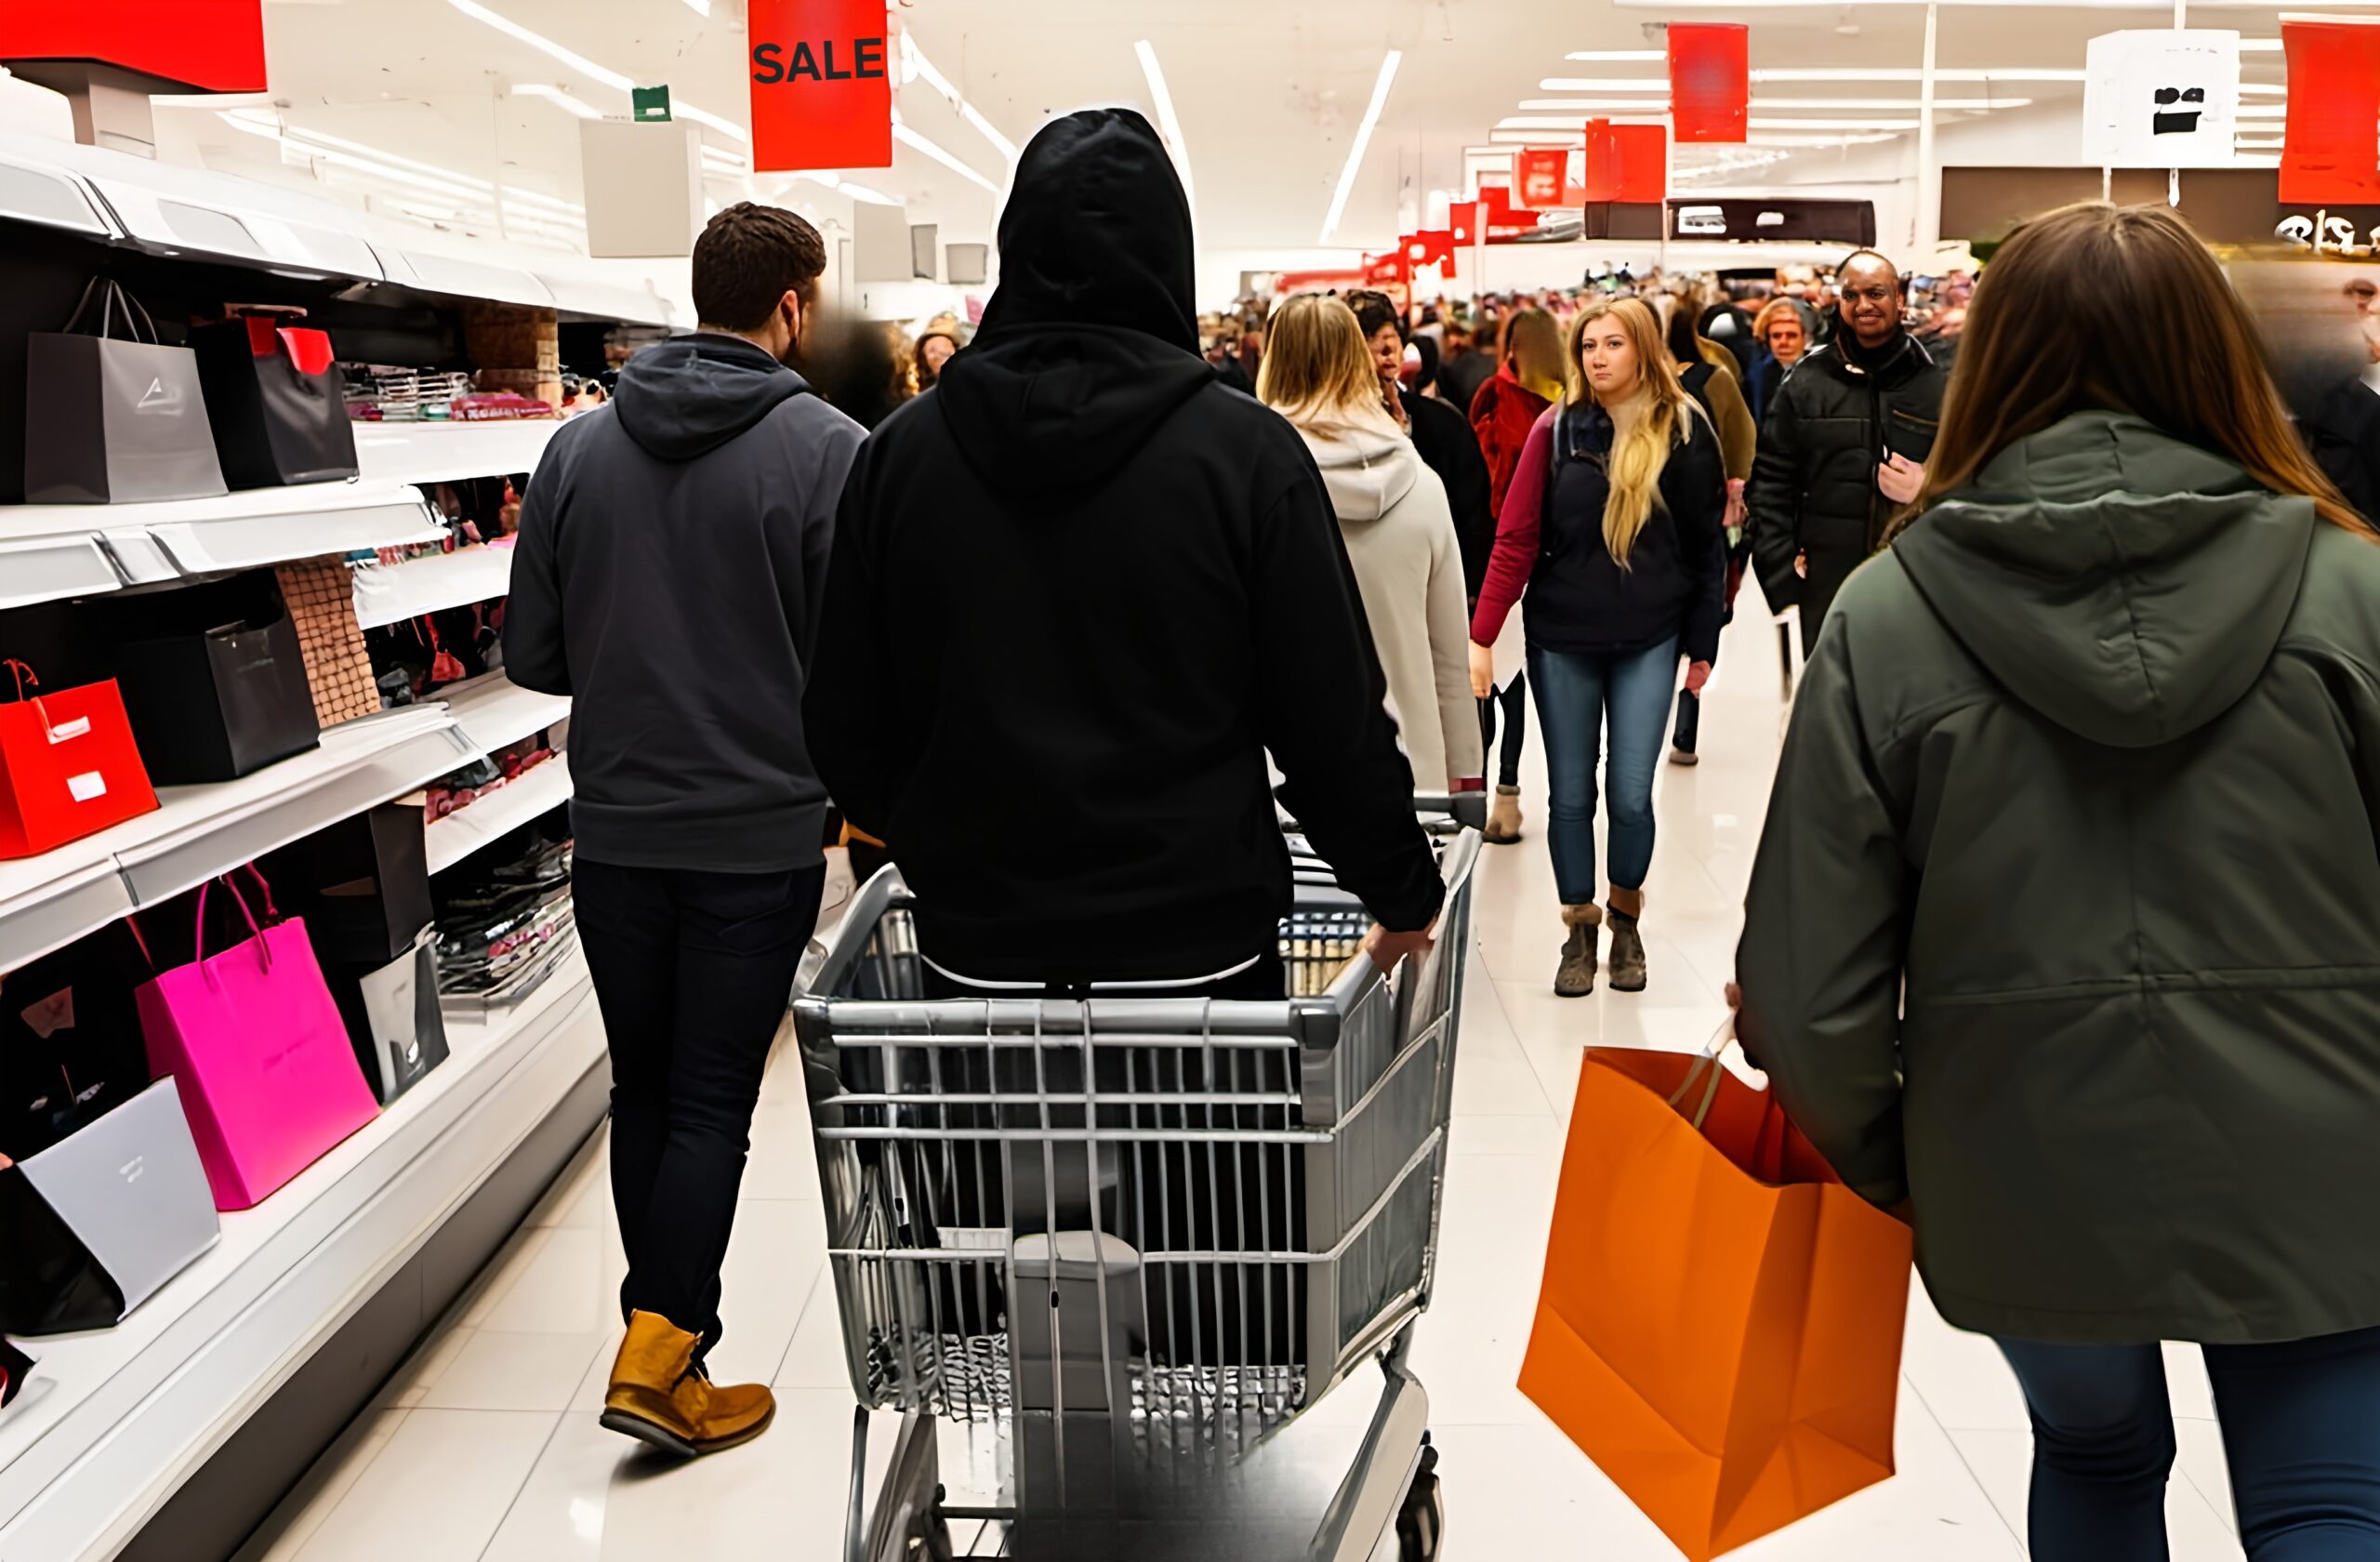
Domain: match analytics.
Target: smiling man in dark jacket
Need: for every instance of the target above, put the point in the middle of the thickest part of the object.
(1080, 589)
(673, 556)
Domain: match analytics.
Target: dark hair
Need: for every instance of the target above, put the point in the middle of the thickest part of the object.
(926, 376)
(1682, 334)
(748, 257)
(1373, 311)
(1487, 332)
(2052, 331)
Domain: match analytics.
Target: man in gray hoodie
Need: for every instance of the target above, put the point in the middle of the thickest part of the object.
(669, 577)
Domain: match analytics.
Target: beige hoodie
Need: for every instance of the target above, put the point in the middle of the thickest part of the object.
(1399, 532)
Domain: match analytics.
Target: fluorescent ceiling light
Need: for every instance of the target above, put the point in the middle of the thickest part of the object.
(1363, 140)
(1606, 83)
(700, 7)
(916, 65)
(842, 186)
(543, 45)
(1758, 123)
(1165, 119)
(680, 109)
(909, 138)
(1619, 56)
(557, 98)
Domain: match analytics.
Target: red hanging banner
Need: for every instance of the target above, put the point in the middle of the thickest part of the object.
(1387, 270)
(1498, 214)
(1463, 221)
(1710, 80)
(822, 92)
(1627, 165)
(206, 46)
(1537, 175)
(2331, 154)
(1432, 246)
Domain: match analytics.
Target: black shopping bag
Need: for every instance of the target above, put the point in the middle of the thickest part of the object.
(277, 401)
(220, 703)
(114, 419)
(362, 884)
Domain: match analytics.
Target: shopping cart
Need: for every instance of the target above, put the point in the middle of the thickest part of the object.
(1110, 1249)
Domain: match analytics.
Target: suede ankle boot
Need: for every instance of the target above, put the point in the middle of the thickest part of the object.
(659, 1396)
(1503, 818)
(1576, 977)
(1627, 954)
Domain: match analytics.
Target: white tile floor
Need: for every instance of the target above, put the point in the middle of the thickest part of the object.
(487, 1446)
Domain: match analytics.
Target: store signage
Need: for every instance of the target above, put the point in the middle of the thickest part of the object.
(1539, 173)
(1499, 214)
(1432, 246)
(1627, 165)
(822, 95)
(2323, 233)
(2162, 98)
(1463, 221)
(205, 45)
(2331, 154)
(1710, 81)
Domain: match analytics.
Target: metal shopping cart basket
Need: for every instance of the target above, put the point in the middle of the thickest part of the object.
(1114, 1248)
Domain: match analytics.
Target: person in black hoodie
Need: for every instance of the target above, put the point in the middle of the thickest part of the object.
(671, 560)
(1080, 589)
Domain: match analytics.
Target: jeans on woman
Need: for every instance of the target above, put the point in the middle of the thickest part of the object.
(2301, 1433)
(1514, 698)
(1577, 695)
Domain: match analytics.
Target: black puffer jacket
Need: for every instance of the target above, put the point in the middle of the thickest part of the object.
(1813, 490)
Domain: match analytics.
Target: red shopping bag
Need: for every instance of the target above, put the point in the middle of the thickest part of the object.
(1720, 1328)
(67, 767)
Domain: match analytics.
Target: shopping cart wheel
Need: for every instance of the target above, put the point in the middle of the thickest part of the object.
(1421, 1523)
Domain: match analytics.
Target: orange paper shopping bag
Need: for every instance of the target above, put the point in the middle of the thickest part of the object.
(1720, 1329)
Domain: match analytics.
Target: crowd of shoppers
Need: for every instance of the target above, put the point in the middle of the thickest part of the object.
(2058, 940)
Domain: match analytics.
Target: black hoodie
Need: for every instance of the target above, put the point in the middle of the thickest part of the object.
(1079, 589)
(671, 560)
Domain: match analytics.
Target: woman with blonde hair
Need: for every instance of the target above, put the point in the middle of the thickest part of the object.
(1615, 529)
(1399, 532)
(2061, 924)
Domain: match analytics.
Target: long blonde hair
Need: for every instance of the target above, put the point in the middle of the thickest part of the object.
(1317, 371)
(1638, 454)
(1533, 346)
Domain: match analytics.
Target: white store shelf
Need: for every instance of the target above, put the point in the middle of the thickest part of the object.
(393, 593)
(494, 711)
(110, 1423)
(481, 823)
(449, 452)
(48, 552)
(197, 832)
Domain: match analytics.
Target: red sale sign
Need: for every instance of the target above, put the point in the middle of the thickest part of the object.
(1539, 175)
(2328, 151)
(207, 45)
(822, 87)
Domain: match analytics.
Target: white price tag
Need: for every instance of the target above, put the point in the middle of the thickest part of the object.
(88, 785)
(79, 727)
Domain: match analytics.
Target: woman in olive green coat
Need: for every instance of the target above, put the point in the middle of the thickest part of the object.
(2066, 922)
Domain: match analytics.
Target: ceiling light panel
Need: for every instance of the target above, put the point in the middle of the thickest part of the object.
(1363, 140)
(1167, 124)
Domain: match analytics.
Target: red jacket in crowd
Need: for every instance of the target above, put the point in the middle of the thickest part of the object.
(1502, 414)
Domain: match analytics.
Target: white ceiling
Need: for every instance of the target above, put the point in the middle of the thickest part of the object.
(1269, 92)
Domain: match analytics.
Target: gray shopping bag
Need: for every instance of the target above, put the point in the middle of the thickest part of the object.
(114, 419)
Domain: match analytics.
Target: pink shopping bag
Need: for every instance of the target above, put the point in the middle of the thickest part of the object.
(255, 1044)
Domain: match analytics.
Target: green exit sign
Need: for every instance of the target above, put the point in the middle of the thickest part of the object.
(650, 104)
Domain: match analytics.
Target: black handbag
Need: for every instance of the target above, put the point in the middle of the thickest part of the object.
(220, 703)
(110, 419)
(277, 401)
(392, 1017)
(362, 885)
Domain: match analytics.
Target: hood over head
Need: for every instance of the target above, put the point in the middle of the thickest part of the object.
(1091, 341)
(683, 398)
(2128, 586)
(1367, 471)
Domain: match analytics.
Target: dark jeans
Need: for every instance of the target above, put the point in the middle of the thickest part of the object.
(2301, 1433)
(692, 971)
(1514, 698)
(1577, 697)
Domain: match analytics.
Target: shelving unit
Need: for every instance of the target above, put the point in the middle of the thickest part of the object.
(391, 594)
(481, 823)
(494, 711)
(114, 1421)
(448, 452)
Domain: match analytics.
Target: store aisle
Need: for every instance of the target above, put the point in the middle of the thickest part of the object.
(486, 1449)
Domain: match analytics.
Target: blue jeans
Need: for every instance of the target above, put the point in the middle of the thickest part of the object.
(1575, 695)
(2301, 1432)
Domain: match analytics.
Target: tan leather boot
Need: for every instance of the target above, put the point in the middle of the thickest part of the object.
(1576, 977)
(657, 1396)
(1503, 818)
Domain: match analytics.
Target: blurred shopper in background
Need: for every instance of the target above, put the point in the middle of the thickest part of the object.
(1712, 382)
(1782, 333)
(1443, 437)
(934, 349)
(1471, 363)
(851, 362)
(2061, 925)
(1503, 411)
(1615, 530)
(1079, 593)
(1321, 375)
(1843, 447)
(671, 564)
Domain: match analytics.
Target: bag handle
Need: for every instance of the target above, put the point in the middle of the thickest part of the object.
(134, 315)
(25, 675)
(1708, 1058)
(198, 941)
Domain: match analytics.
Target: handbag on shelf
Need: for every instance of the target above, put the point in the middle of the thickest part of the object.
(219, 703)
(114, 419)
(68, 765)
(362, 884)
(254, 1037)
(99, 1221)
(393, 1018)
(1720, 1328)
(320, 594)
(71, 1048)
(277, 401)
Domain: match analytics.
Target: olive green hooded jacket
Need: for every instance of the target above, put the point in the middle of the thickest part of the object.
(2066, 919)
